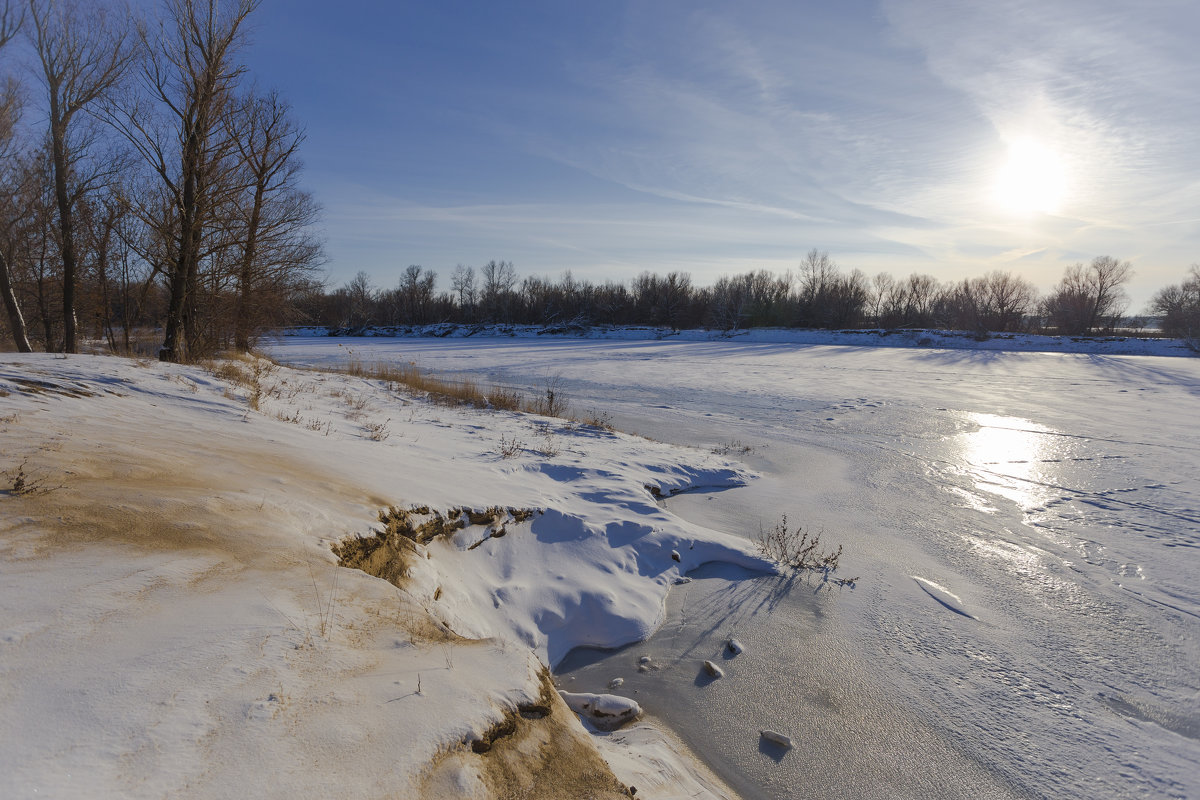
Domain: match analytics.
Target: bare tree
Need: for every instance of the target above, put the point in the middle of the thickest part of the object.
(1089, 298)
(102, 219)
(997, 302)
(12, 15)
(728, 304)
(1007, 299)
(83, 53)
(414, 295)
(12, 178)
(274, 217)
(817, 275)
(361, 297)
(499, 278)
(884, 290)
(1107, 278)
(662, 300)
(1179, 306)
(190, 72)
(462, 283)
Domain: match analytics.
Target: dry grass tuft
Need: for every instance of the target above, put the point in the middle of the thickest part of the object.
(595, 418)
(378, 431)
(551, 402)
(245, 370)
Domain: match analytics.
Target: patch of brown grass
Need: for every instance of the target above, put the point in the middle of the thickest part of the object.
(247, 370)
(389, 552)
(448, 392)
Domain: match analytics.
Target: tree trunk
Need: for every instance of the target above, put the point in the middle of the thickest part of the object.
(183, 272)
(242, 325)
(44, 311)
(16, 322)
(66, 226)
(170, 350)
(105, 316)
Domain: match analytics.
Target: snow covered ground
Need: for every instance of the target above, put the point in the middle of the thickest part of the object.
(175, 623)
(1025, 527)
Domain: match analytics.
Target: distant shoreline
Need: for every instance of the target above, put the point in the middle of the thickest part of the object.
(908, 337)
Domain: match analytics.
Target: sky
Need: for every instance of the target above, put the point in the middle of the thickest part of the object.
(948, 138)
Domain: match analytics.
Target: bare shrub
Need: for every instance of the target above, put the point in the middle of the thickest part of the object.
(510, 448)
(549, 445)
(735, 447)
(20, 482)
(793, 547)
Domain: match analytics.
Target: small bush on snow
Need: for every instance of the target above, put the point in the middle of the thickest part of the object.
(793, 547)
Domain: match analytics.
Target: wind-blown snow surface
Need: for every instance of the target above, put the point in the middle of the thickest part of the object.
(174, 623)
(1025, 527)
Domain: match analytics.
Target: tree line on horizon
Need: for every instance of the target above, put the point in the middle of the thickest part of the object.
(1089, 299)
(151, 187)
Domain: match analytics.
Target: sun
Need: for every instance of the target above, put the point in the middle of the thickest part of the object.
(1032, 180)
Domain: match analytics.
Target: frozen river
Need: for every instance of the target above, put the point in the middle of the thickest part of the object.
(1026, 532)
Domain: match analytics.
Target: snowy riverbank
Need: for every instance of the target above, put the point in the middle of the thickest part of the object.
(175, 622)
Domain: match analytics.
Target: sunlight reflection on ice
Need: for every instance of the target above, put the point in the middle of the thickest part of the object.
(1009, 456)
(1023, 560)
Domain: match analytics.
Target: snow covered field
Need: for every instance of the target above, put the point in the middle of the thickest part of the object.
(1025, 527)
(175, 623)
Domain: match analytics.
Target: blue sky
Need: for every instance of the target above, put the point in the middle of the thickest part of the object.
(609, 138)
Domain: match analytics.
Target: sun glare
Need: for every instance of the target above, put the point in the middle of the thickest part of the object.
(1032, 180)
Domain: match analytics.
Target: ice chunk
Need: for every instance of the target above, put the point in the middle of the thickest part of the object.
(604, 711)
